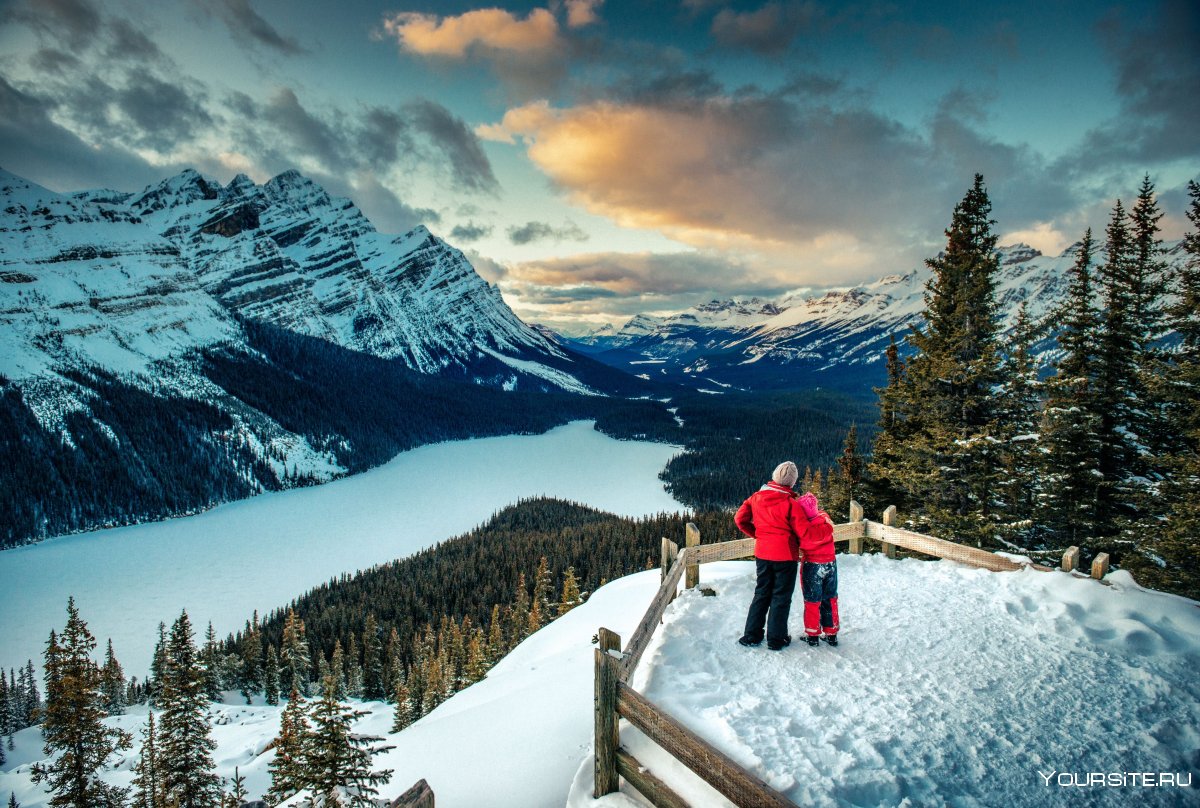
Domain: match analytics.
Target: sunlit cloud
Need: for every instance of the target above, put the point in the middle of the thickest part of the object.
(582, 12)
(491, 28)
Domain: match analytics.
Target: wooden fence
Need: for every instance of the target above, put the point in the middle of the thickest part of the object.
(615, 699)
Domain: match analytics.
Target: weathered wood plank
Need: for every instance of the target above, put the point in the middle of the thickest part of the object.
(664, 559)
(931, 545)
(653, 789)
(1070, 561)
(847, 531)
(419, 796)
(725, 551)
(607, 733)
(1100, 566)
(692, 539)
(856, 519)
(889, 519)
(713, 766)
(645, 630)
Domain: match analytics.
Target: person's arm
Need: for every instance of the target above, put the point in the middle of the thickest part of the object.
(745, 519)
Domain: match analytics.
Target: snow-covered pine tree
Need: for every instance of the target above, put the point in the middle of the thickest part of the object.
(271, 676)
(287, 766)
(148, 777)
(373, 671)
(77, 741)
(33, 699)
(402, 714)
(1070, 423)
(1176, 543)
(185, 743)
(1118, 361)
(210, 659)
(12, 800)
(338, 763)
(250, 648)
(354, 671)
(570, 596)
(476, 662)
(337, 669)
(293, 655)
(495, 642)
(519, 615)
(6, 709)
(154, 681)
(112, 683)
(887, 457)
(237, 791)
(1018, 418)
(392, 653)
(950, 465)
(543, 588)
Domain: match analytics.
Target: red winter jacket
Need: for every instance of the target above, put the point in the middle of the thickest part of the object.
(773, 516)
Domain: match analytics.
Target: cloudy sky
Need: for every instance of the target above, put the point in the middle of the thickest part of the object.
(599, 158)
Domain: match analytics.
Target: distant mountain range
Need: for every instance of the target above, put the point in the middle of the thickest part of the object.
(832, 339)
(192, 343)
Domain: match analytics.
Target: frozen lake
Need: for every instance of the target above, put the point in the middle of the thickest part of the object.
(261, 553)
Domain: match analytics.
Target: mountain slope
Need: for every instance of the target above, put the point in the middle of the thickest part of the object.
(194, 343)
(836, 338)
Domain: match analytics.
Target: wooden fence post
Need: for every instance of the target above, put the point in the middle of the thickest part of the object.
(1100, 566)
(693, 568)
(1070, 561)
(856, 515)
(889, 519)
(608, 737)
(665, 559)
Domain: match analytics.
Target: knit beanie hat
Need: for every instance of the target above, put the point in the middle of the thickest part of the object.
(786, 473)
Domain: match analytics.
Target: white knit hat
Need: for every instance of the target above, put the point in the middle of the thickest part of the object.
(786, 473)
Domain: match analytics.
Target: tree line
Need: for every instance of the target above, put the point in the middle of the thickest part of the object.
(975, 445)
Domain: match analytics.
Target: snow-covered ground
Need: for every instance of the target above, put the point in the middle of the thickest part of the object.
(953, 686)
(261, 553)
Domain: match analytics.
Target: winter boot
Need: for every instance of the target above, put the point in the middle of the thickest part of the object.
(779, 646)
(813, 642)
(831, 639)
(749, 643)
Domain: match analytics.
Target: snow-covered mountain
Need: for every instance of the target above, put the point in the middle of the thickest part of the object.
(191, 343)
(121, 281)
(834, 338)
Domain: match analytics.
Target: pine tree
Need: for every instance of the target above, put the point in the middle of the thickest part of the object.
(271, 676)
(148, 776)
(154, 682)
(354, 671)
(476, 663)
(112, 683)
(1117, 386)
(393, 654)
(185, 745)
(250, 681)
(571, 596)
(337, 669)
(338, 762)
(543, 587)
(210, 659)
(1178, 388)
(519, 615)
(31, 700)
(12, 800)
(7, 722)
(74, 735)
(495, 642)
(948, 460)
(402, 698)
(294, 655)
(852, 467)
(287, 767)
(372, 647)
(1018, 419)
(237, 791)
(1070, 423)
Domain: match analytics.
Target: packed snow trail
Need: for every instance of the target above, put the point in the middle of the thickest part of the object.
(951, 686)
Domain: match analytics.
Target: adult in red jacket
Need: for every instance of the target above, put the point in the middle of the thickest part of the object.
(773, 517)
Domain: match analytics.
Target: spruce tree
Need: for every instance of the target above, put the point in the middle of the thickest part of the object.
(75, 737)
(210, 659)
(148, 776)
(519, 615)
(157, 662)
(402, 715)
(250, 681)
(184, 741)
(495, 642)
(851, 465)
(1071, 419)
(543, 588)
(1178, 460)
(271, 676)
(337, 762)
(373, 671)
(354, 671)
(1018, 421)
(237, 791)
(949, 462)
(571, 596)
(1117, 386)
(287, 766)
(337, 669)
(294, 655)
(112, 683)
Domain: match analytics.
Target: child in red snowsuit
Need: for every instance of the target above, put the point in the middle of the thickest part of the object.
(818, 575)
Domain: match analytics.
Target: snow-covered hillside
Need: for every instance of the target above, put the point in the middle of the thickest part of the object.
(807, 339)
(952, 686)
